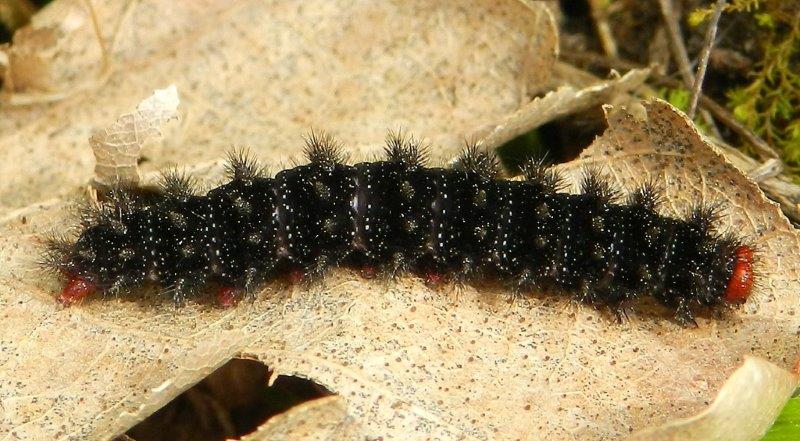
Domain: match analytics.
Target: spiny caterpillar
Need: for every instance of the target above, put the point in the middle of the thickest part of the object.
(397, 215)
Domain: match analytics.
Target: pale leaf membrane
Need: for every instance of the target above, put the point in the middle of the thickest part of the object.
(117, 147)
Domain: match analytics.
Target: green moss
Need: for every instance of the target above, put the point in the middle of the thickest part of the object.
(700, 15)
(770, 104)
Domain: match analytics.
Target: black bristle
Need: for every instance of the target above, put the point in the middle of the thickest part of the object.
(704, 216)
(177, 184)
(543, 176)
(56, 254)
(322, 149)
(597, 186)
(475, 160)
(408, 151)
(647, 196)
(241, 166)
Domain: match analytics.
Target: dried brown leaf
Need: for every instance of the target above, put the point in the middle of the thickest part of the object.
(409, 361)
(257, 73)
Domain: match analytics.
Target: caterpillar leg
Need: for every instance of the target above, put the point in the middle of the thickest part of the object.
(227, 296)
(368, 271)
(620, 312)
(684, 315)
(434, 278)
(398, 265)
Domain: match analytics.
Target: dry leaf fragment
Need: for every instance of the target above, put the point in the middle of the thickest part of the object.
(561, 102)
(744, 409)
(117, 147)
(58, 54)
(320, 419)
(24, 67)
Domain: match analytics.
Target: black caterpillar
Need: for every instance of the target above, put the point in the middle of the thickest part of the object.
(396, 215)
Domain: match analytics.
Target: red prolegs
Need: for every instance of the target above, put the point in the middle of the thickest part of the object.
(226, 297)
(75, 290)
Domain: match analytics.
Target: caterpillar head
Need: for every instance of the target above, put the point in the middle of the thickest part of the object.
(88, 264)
(741, 281)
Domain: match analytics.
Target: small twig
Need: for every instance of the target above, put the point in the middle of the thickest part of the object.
(681, 55)
(676, 41)
(658, 53)
(778, 187)
(711, 33)
(600, 17)
(769, 169)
